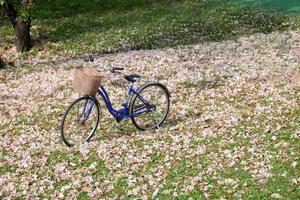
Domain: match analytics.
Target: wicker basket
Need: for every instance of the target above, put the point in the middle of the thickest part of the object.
(86, 80)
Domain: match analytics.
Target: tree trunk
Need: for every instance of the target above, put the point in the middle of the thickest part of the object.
(2, 64)
(22, 27)
(22, 31)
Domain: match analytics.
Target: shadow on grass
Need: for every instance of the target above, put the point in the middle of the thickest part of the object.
(291, 7)
(105, 26)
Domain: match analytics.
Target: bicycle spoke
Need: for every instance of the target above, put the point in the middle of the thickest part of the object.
(80, 121)
(157, 105)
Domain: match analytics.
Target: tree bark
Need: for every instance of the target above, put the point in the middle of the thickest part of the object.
(22, 31)
(2, 64)
(21, 27)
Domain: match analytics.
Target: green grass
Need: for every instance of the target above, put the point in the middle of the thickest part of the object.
(100, 169)
(121, 186)
(102, 26)
(6, 169)
(57, 157)
(83, 196)
(290, 8)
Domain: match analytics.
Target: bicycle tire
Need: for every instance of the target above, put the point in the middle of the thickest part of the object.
(94, 128)
(135, 98)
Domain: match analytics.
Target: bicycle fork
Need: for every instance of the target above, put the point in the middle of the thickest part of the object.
(83, 112)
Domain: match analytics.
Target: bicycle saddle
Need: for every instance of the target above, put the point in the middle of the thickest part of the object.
(132, 77)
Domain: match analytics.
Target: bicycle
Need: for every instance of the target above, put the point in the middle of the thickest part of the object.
(142, 106)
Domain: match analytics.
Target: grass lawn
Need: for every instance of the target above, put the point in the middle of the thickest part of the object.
(232, 133)
(233, 128)
(78, 27)
(292, 7)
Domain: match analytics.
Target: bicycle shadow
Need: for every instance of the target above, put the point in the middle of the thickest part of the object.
(127, 129)
(111, 130)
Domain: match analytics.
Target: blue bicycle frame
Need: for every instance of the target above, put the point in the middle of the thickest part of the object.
(123, 112)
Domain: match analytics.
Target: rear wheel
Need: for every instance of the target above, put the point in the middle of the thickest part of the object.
(150, 106)
(80, 121)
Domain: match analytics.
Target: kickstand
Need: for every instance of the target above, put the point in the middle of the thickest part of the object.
(154, 119)
(118, 125)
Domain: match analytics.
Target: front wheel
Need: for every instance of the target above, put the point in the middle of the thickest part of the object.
(150, 106)
(80, 121)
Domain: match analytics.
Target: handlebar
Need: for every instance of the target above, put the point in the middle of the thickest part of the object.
(114, 70)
